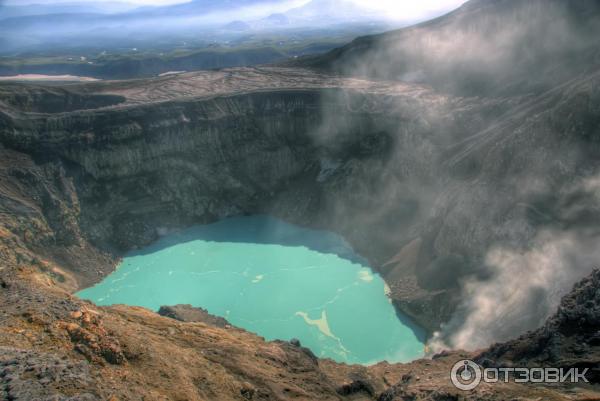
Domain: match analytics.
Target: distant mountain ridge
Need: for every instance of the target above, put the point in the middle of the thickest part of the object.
(195, 7)
(77, 27)
(334, 9)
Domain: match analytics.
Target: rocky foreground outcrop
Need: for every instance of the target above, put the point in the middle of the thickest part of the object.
(188, 313)
(55, 346)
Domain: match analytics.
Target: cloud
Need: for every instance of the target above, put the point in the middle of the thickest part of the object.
(403, 9)
(507, 197)
(527, 284)
(524, 291)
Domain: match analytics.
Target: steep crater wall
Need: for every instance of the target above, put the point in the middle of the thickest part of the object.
(321, 158)
(421, 184)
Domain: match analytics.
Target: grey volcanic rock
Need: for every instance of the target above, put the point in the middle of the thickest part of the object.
(189, 313)
(26, 375)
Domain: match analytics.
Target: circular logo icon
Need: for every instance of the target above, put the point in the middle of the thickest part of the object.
(465, 375)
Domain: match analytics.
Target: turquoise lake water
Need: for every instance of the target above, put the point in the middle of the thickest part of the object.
(272, 278)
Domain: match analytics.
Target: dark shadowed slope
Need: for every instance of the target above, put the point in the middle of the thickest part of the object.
(483, 47)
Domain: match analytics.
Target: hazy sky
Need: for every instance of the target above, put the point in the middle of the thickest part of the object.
(411, 8)
(397, 8)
